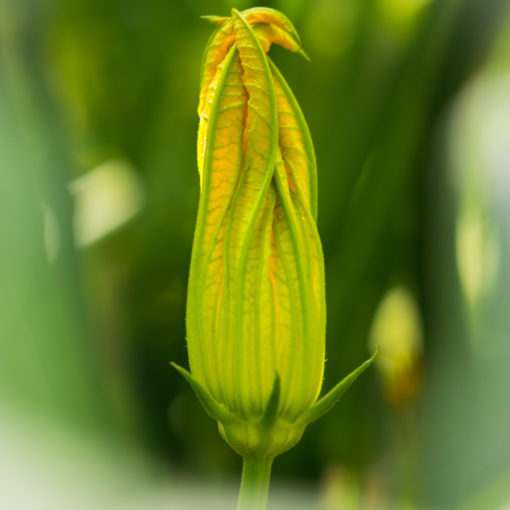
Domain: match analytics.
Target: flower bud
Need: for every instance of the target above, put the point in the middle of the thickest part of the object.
(256, 302)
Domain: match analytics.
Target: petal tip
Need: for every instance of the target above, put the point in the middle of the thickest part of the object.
(303, 53)
(215, 20)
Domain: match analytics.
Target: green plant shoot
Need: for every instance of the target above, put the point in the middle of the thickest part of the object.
(256, 314)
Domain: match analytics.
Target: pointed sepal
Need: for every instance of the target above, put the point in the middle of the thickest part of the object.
(271, 410)
(328, 401)
(214, 409)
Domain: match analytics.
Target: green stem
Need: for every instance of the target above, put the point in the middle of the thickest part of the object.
(254, 483)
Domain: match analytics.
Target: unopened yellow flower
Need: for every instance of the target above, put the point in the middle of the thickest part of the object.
(256, 312)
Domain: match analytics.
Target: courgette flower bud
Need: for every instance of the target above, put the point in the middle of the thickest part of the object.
(256, 313)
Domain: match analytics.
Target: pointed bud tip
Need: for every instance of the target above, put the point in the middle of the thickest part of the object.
(303, 53)
(215, 20)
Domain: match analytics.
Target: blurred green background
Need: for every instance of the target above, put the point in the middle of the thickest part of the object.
(408, 102)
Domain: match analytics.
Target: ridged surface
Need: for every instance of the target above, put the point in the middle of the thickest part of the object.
(256, 288)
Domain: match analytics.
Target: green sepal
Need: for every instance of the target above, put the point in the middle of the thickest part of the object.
(270, 413)
(214, 409)
(328, 401)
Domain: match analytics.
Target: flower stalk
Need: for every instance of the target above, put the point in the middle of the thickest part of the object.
(254, 483)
